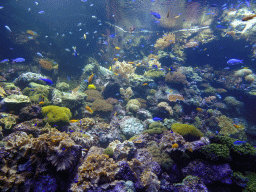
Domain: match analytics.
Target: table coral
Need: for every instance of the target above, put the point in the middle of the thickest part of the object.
(165, 41)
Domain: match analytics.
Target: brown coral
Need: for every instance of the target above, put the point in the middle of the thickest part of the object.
(45, 64)
(96, 169)
(92, 95)
(165, 41)
(101, 105)
(176, 79)
(175, 97)
(86, 123)
(166, 107)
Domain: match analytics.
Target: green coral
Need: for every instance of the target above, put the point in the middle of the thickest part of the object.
(35, 93)
(154, 73)
(8, 122)
(216, 152)
(154, 128)
(189, 132)
(57, 115)
(251, 185)
(160, 157)
(209, 91)
(108, 151)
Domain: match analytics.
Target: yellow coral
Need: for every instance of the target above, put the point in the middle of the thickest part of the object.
(165, 41)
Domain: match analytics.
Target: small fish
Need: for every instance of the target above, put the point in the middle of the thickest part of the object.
(39, 54)
(18, 60)
(115, 59)
(226, 68)
(84, 36)
(68, 78)
(4, 61)
(157, 119)
(130, 62)
(41, 12)
(156, 15)
(171, 69)
(220, 27)
(91, 5)
(79, 24)
(73, 121)
(71, 131)
(35, 124)
(168, 14)
(105, 43)
(234, 61)
(48, 81)
(36, 3)
(94, 17)
(41, 102)
(249, 17)
(75, 53)
(89, 109)
(67, 49)
(117, 48)
(110, 68)
(112, 35)
(144, 84)
(239, 142)
(154, 67)
(115, 113)
(8, 28)
(90, 78)
(29, 9)
(1, 7)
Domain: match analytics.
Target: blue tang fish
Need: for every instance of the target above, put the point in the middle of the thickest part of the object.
(234, 61)
(4, 61)
(157, 119)
(48, 81)
(156, 15)
(239, 142)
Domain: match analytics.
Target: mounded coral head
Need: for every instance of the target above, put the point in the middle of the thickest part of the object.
(133, 105)
(176, 79)
(57, 115)
(101, 105)
(189, 132)
(92, 95)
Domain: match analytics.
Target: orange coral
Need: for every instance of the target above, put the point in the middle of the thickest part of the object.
(175, 97)
(45, 64)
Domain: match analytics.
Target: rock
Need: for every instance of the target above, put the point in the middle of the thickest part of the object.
(14, 102)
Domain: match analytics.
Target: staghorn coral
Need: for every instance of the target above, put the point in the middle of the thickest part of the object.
(166, 107)
(165, 41)
(124, 69)
(95, 170)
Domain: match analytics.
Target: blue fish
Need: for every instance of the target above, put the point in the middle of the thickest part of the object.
(41, 12)
(35, 124)
(39, 54)
(68, 78)
(154, 67)
(220, 27)
(112, 35)
(234, 61)
(8, 28)
(18, 60)
(156, 15)
(75, 52)
(239, 142)
(157, 119)
(48, 81)
(4, 61)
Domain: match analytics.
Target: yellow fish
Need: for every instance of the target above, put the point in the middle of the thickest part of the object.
(130, 62)
(115, 113)
(41, 102)
(116, 74)
(73, 121)
(246, 68)
(115, 59)
(110, 68)
(90, 78)
(177, 17)
(84, 36)
(117, 48)
(89, 109)
(144, 84)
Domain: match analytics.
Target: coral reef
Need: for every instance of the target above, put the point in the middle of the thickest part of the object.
(133, 105)
(176, 79)
(100, 105)
(165, 41)
(124, 69)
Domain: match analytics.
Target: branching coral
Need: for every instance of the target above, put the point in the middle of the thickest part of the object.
(165, 41)
(124, 69)
(126, 93)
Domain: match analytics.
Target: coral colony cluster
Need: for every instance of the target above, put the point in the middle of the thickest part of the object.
(137, 125)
